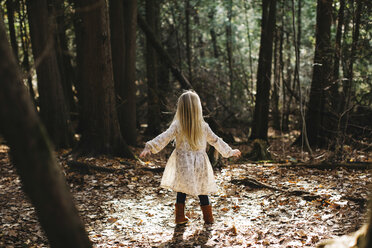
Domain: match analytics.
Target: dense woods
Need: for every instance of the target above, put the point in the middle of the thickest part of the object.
(103, 76)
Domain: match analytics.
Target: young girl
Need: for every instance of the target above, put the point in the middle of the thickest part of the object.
(188, 170)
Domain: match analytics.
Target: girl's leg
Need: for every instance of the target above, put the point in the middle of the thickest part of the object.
(204, 200)
(206, 209)
(180, 208)
(181, 197)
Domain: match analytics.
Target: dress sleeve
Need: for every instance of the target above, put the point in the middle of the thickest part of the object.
(218, 143)
(159, 142)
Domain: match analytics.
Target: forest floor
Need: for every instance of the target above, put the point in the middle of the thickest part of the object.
(127, 208)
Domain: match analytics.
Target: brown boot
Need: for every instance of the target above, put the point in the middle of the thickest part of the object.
(207, 214)
(180, 214)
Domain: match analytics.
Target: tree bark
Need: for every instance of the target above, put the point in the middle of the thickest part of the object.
(321, 74)
(33, 156)
(100, 126)
(13, 40)
(53, 109)
(153, 103)
(123, 23)
(261, 111)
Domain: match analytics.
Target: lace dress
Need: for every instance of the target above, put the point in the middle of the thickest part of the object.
(189, 171)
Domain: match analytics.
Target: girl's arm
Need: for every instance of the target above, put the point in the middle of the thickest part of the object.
(220, 145)
(159, 142)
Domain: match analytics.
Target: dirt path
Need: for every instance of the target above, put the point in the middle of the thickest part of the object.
(130, 210)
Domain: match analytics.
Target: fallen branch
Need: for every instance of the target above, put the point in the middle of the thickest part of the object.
(253, 183)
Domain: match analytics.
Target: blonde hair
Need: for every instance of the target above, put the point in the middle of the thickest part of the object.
(190, 116)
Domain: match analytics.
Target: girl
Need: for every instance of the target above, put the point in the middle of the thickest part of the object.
(188, 170)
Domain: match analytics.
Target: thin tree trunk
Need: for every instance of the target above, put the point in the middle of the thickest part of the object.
(25, 46)
(10, 13)
(188, 38)
(276, 85)
(229, 44)
(153, 104)
(100, 125)
(321, 73)
(213, 33)
(33, 156)
(336, 59)
(64, 59)
(261, 111)
(53, 109)
(249, 45)
(123, 22)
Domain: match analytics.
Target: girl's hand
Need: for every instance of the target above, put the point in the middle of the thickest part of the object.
(145, 152)
(236, 153)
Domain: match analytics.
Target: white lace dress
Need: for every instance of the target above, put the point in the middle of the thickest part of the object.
(189, 171)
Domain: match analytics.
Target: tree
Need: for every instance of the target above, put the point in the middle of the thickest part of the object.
(53, 109)
(100, 125)
(153, 103)
(321, 74)
(261, 111)
(33, 156)
(10, 9)
(123, 23)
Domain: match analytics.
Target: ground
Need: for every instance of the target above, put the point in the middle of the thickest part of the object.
(127, 208)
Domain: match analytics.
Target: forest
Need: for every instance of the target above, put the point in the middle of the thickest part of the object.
(84, 84)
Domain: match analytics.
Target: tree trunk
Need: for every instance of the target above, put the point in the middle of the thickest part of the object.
(100, 126)
(229, 44)
(336, 59)
(25, 46)
(153, 104)
(33, 156)
(64, 59)
(13, 40)
(213, 33)
(188, 38)
(276, 85)
(321, 74)
(53, 109)
(123, 22)
(261, 111)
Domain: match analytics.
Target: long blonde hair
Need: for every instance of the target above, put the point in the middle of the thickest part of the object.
(190, 116)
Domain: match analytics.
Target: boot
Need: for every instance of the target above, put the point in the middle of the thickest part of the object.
(180, 214)
(207, 214)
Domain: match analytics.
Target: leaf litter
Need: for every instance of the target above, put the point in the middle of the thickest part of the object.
(129, 209)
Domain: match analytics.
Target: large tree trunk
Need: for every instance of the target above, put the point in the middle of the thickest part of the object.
(123, 23)
(321, 74)
(53, 109)
(100, 125)
(153, 103)
(10, 4)
(33, 156)
(261, 111)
